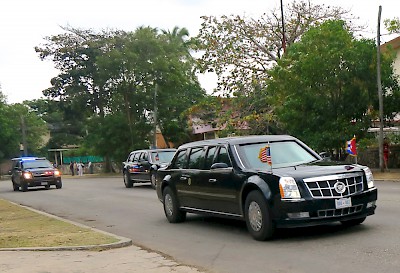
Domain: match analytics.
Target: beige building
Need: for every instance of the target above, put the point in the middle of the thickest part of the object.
(395, 46)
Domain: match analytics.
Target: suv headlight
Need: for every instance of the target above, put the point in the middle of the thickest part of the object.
(27, 175)
(369, 176)
(288, 188)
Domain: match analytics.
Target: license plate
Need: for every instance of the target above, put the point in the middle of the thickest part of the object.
(343, 203)
(43, 183)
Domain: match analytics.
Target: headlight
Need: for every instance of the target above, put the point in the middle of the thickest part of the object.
(27, 175)
(370, 177)
(288, 188)
(57, 173)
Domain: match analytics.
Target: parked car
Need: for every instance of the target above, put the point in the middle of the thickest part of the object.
(141, 165)
(268, 181)
(34, 172)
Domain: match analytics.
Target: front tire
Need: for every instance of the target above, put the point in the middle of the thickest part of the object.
(59, 185)
(171, 207)
(153, 180)
(24, 187)
(127, 180)
(258, 217)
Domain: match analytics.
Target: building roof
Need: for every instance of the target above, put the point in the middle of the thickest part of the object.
(395, 44)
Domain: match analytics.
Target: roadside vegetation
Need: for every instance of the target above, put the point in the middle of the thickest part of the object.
(21, 227)
(318, 84)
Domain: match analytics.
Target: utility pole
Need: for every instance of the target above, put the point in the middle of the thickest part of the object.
(23, 129)
(283, 29)
(378, 77)
(155, 116)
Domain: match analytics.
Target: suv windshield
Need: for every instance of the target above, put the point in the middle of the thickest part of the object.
(283, 154)
(162, 156)
(33, 164)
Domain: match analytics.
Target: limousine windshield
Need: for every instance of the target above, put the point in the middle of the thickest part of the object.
(283, 154)
(162, 156)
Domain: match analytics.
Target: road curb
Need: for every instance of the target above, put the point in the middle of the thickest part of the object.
(123, 241)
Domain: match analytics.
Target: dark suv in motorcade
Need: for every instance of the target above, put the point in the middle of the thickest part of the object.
(268, 181)
(141, 165)
(34, 172)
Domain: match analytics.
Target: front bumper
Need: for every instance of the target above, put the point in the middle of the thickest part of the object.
(42, 181)
(321, 211)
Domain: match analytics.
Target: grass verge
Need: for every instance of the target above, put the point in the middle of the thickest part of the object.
(21, 227)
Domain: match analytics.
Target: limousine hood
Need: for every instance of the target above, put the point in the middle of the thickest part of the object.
(318, 169)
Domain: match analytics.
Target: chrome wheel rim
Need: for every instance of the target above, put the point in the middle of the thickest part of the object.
(169, 206)
(255, 216)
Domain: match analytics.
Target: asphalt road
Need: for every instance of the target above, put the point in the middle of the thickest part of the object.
(223, 245)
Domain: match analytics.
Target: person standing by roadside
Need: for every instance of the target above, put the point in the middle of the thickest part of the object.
(80, 168)
(386, 152)
(90, 167)
(71, 168)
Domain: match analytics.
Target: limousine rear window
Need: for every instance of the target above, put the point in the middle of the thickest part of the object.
(283, 154)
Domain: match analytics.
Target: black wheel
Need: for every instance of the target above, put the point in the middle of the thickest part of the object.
(153, 180)
(353, 222)
(127, 180)
(59, 185)
(258, 217)
(15, 187)
(171, 207)
(24, 187)
(47, 187)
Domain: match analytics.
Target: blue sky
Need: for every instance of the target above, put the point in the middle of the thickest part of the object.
(24, 24)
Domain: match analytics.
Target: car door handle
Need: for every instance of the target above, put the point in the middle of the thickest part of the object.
(184, 178)
(212, 180)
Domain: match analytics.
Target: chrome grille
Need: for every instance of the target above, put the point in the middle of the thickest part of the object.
(324, 186)
(339, 212)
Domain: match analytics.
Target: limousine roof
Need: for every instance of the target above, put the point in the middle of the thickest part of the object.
(240, 140)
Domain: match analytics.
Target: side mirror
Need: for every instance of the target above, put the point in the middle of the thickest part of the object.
(219, 166)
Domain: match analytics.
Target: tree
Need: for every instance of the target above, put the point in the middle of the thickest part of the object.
(145, 60)
(392, 25)
(324, 88)
(108, 79)
(80, 83)
(12, 119)
(65, 125)
(241, 50)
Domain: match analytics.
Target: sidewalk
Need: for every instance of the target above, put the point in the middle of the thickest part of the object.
(121, 260)
(391, 175)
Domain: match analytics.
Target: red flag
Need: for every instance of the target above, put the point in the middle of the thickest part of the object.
(352, 147)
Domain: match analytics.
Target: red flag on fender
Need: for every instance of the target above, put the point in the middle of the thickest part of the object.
(352, 147)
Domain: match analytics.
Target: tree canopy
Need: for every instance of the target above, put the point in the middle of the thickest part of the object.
(242, 50)
(324, 88)
(13, 117)
(110, 79)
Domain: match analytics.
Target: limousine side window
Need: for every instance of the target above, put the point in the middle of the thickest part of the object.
(210, 157)
(196, 158)
(180, 160)
(143, 157)
(136, 157)
(223, 157)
